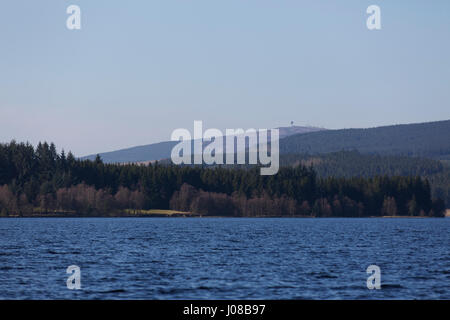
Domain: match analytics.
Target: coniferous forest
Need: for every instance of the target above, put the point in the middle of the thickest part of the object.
(41, 181)
(349, 164)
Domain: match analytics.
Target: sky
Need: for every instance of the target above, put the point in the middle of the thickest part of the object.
(137, 70)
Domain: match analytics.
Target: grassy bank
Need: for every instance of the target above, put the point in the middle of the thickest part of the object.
(40, 213)
(157, 212)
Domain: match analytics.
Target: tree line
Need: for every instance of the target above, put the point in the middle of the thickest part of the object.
(348, 164)
(42, 180)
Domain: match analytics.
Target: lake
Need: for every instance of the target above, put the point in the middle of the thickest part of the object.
(224, 258)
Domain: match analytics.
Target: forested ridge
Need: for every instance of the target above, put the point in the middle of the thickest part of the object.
(348, 164)
(429, 140)
(43, 181)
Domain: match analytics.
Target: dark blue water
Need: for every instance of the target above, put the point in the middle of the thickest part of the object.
(213, 258)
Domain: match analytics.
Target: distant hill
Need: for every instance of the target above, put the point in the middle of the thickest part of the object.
(427, 140)
(289, 131)
(162, 150)
(431, 139)
(155, 151)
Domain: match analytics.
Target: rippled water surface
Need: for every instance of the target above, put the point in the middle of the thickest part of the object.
(214, 258)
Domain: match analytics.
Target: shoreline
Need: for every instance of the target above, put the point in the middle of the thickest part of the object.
(162, 213)
(193, 216)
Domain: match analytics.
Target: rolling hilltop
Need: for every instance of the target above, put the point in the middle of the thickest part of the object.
(428, 140)
(150, 152)
(161, 150)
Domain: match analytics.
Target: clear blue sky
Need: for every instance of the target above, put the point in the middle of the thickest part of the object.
(140, 69)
